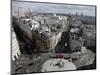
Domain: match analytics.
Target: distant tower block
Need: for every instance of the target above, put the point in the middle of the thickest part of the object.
(15, 47)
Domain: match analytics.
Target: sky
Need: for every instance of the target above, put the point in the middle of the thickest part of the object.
(53, 8)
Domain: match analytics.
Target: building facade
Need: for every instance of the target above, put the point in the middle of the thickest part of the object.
(15, 47)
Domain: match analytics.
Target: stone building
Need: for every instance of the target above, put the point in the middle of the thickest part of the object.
(90, 35)
(47, 39)
(48, 34)
(76, 40)
(44, 31)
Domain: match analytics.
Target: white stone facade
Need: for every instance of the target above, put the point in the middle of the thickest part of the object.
(15, 47)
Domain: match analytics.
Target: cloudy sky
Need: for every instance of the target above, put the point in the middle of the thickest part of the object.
(53, 8)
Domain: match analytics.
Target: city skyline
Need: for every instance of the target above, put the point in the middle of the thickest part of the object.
(53, 8)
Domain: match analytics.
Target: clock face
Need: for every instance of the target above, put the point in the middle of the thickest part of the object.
(57, 64)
